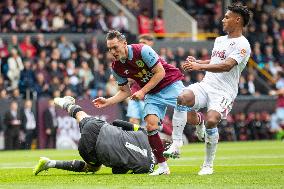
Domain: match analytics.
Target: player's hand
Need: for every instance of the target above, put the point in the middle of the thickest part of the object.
(100, 102)
(191, 59)
(139, 95)
(191, 66)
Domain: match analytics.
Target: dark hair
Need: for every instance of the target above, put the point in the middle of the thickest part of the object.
(115, 34)
(147, 37)
(242, 10)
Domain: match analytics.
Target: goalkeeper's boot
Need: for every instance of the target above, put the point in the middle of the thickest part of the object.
(41, 166)
(200, 131)
(161, 171)
(173, 151)
(64, 102)
(206, 170)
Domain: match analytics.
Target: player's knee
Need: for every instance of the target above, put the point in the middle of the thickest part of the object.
(152, 122)
(186, 98)
(212, 122)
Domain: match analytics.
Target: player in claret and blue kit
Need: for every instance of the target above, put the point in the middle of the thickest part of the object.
(160, 85)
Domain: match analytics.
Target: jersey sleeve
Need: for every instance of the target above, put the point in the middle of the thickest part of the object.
(149, 56)
(120, 80)
(241, 53)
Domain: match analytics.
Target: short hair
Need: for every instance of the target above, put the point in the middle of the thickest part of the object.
(242, 10)
(147, 37)
(115, 34)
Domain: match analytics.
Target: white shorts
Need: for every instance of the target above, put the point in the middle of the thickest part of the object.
(213, 99)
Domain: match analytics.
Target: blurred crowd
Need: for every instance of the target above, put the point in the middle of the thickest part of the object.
(53, 16)
(82, 68)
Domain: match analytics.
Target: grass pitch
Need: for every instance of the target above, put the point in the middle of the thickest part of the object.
(237, 165)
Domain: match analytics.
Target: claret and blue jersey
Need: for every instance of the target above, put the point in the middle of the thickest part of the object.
(141, 60)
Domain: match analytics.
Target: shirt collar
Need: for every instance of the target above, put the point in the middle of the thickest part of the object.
(130, 52)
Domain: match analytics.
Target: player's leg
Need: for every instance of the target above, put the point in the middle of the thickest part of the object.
(154, 112)
(75, 165)
(68, 104)
(211, 141)
(134, 112)
(218, 108)
(156, 144)
(188, 101)
(195, 98)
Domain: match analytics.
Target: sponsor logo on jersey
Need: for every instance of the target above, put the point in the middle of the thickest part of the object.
(219, 54)
(243, 52)
(126, 72)
(144, 75)
(140, 63)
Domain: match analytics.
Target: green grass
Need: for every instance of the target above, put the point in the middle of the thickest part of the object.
(237, 165)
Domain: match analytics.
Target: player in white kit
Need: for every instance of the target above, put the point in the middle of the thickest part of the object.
(219, 87)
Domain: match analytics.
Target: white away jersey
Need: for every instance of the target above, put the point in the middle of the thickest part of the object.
(235, 48)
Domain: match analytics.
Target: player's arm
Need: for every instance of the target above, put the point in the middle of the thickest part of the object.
(203, 61)
(225, 66)
(192, 59)
(123, 93)
(277, 92)
(151, 59)
(159, 74)
(127, 126)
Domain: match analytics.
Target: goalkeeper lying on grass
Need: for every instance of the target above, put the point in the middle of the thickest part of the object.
(101, 143)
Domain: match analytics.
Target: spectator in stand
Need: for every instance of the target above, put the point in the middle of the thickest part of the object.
(14, 44)
(65, 48)
(85, 74)
(50, 124)
(159, 24)
(41, 87)
(29, 123)
(15, 66)
(41, 22)
(251, 84)
(120, 22)
(3, 49)
(100, 24)
(26, 45)
(277, 119)
(243, 87)
(40, 43)
(13, 122)
(27, 80)
(144, 22)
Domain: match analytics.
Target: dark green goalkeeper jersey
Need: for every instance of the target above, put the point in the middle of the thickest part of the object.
(124, 150)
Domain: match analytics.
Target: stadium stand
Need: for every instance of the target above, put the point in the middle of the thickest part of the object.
(45, 67)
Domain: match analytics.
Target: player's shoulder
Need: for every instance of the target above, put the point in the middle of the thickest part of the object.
(220, 38)
(242, 42)
(137, 46)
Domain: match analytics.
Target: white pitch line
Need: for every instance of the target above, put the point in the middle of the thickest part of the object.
(186, 165)
(235, 157)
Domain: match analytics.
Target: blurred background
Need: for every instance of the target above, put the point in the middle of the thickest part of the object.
(52, 48)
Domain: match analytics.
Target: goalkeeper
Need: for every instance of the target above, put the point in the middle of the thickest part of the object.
(101, 143)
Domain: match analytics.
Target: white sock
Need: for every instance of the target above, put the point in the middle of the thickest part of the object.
(51, 163)
(163, 165)
(179, 121)
(178, 143)
(211, 141)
